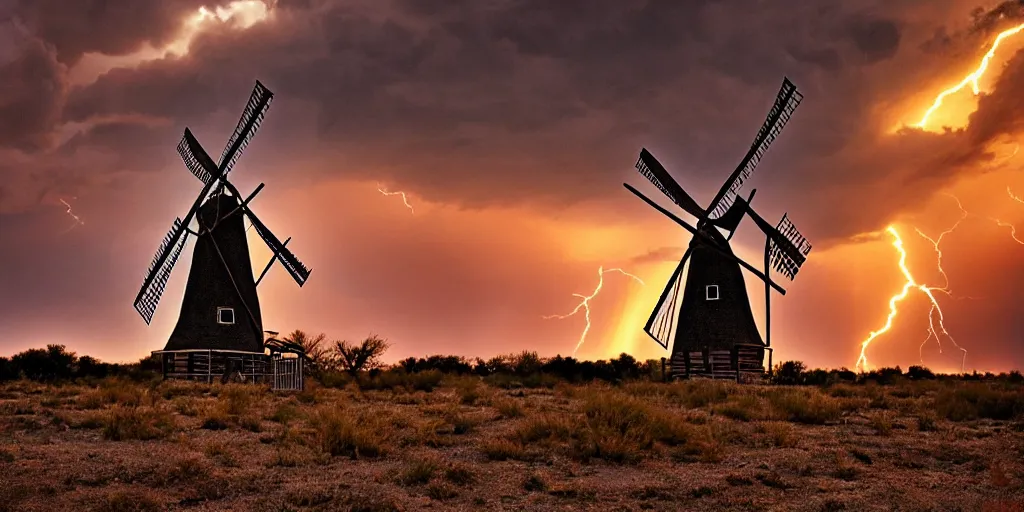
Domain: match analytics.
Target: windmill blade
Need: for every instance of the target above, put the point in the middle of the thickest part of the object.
(248, 125)
(785, 104)
(160, 271)
(203, 172)
(789, 251)
(662, 320)
(788, 247)
(196, 158)
(651, 169)
(292, 264)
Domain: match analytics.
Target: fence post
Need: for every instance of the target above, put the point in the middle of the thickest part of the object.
(664, 376)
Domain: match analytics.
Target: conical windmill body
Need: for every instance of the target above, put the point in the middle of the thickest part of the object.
(712, 331)
(237, 322)
(220, 326)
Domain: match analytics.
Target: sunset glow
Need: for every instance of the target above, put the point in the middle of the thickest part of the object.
(584, 304)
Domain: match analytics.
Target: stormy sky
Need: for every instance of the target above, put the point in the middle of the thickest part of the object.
(511, 126)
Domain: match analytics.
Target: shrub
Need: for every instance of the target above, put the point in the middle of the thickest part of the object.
(418, 472)
(789, 372)
(805, 407)
(501, 449)
(972, 401)
(340, 433)
(508, 408)
(142, 423)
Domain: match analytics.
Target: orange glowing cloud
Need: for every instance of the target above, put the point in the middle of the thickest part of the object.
(972, 78)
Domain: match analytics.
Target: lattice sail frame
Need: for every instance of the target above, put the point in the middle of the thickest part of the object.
(255, 111)
(661, 325)
(149, 299)
(786, 102)
(782, 262)
(650, 168)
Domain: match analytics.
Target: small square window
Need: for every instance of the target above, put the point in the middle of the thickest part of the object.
(225, 315)
(711, 292)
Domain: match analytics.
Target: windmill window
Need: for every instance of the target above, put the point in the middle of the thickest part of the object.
(225, 315)
(711, 292)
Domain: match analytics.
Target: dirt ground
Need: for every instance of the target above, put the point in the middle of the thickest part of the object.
(466, 445)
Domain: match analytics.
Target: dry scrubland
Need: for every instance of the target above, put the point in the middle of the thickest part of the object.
(448, 442)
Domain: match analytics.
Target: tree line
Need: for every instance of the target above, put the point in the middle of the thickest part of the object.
(340, 362)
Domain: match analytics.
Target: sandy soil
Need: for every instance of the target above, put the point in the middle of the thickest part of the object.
(468, 446)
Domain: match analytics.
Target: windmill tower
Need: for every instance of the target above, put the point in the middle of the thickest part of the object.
(713, 333)
(220, 329)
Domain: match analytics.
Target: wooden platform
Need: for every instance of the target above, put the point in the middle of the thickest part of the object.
(739, 364)
(283, 373)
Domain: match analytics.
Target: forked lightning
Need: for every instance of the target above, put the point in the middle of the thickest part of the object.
(585, 303)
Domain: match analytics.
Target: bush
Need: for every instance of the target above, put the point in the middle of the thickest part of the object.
(799, 406)
(972, 401)
(790, 372)
(142, 423)
(339, 433)
(919, 373)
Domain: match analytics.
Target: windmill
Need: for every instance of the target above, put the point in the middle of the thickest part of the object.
(713, 333)
(220, 328)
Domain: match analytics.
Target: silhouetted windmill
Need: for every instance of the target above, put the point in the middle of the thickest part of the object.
(220, 329)
(714, 331)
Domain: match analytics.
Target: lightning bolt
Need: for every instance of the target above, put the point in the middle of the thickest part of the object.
(404, 199)
(585, 302)
(1000, 223)
(1014, 196)
(972, 78)
(77, 220)
(934, 328)
(936, 242)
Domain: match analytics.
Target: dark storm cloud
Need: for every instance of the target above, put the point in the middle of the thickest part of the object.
(876, 39)
(993, 19)
(548, 102)
(32, 88)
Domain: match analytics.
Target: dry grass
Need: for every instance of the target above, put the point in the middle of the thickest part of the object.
(407, 442)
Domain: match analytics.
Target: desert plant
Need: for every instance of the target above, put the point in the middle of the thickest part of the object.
(366, 355)
(789, 372)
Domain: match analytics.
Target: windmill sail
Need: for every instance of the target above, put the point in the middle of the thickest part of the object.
(149, 296)
(292, 264)
(662, 321)
(786, 103)
(248, 125)
(650, 168)
(786, 262)
(192, 160)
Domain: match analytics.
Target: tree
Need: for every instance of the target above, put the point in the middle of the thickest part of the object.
(8, 371)
(364, 356)
(52, 363)
(790, 372)
(314, 347)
